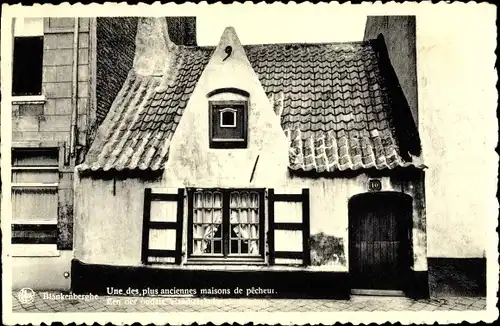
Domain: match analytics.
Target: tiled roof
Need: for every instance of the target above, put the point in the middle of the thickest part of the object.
(136, 133)
(333, 100)
(335, 105)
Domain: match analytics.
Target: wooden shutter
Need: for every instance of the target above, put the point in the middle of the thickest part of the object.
(162, 227)
(281, 223)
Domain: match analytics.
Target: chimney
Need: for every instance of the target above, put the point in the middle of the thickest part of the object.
(157, 37)
(182, 30)
(152, 46)
(399, 33)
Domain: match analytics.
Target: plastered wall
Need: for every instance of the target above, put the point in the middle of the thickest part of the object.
(109, 217)
(110, 232)
(206, 167)
(457, 121)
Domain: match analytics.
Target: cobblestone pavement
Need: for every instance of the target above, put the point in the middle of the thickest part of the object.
(41, 302)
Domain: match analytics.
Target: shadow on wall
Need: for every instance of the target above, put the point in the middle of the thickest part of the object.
(326, 249)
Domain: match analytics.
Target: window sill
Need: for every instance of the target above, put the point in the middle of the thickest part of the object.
(35, 168)
(35, 222)
(34, 185)
(226, 261)
(228, 144)
(34, 250)
(29, 99)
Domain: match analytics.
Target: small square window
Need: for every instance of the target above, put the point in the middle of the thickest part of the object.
(228, 124)
(228, 117)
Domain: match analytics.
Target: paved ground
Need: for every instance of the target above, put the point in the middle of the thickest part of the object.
(46, 302)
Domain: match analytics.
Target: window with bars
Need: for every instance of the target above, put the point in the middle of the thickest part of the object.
(226, 223)
(35, 180)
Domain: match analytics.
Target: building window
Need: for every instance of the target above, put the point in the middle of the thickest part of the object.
(226, 223)
(228, 124)
(228, 118)
(28, 57)
(35, 180)
(27, 71)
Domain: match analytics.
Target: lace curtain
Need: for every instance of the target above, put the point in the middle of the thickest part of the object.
(244, 219)
(208, 224)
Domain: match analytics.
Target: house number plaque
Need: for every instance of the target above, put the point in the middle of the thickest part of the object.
(375, 185)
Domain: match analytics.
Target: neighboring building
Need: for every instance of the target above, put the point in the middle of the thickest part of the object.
(293, 167)
(66, 72)
(455, 228)
(54, 105)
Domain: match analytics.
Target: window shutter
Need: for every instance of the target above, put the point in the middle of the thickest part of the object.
(162, 227)
(228, 136)
(289, 228)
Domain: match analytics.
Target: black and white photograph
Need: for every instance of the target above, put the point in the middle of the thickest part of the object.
(271, 163)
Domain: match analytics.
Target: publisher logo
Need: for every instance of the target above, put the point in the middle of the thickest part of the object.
(26, 295)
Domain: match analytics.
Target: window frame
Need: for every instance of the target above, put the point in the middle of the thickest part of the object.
(221, 117)
(40, 185)
(226, 256)
(20, 90)
(228, 142)
(24, 28)
(43, 226)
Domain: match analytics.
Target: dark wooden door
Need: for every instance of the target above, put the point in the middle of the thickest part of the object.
(379, 238)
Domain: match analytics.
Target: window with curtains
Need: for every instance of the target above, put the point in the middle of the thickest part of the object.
(226, 223)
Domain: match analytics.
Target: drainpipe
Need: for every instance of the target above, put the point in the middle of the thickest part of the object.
(74, 94)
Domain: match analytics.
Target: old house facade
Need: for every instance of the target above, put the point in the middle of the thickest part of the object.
(292, 167)
(303, 167)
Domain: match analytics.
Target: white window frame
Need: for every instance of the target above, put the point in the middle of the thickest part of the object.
(28, 27)
(221, 114)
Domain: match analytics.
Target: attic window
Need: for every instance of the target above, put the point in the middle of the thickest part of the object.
(228, 124)
(228, 118)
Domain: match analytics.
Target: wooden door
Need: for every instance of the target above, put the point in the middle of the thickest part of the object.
(379, 240)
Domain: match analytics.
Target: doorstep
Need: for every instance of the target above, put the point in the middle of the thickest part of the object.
(380, 293)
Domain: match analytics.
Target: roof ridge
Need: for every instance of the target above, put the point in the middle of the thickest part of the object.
(364, 42)
(212, 47)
